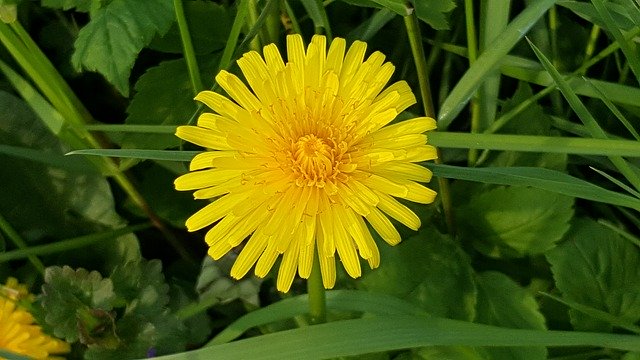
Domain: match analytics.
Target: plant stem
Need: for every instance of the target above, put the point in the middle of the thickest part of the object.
(317, 295)
(472, 47)
(415, 40)
(17, 240)
(251, 21)
(187, 46)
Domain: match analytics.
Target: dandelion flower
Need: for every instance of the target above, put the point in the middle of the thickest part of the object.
(18, 332)
(305, 158)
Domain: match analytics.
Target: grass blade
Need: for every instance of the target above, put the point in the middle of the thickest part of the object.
(486, 62)
(361, 336)
(168, 155)
(540, 178)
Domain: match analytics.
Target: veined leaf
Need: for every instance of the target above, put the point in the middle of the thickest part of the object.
(111, 41)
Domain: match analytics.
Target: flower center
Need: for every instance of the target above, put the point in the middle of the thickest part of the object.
(315, 160)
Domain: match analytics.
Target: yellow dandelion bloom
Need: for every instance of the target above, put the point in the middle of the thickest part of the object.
(303, 157)
(18, 333)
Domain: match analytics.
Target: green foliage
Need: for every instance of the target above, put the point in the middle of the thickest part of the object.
(111, 41)
(77, 302)
(504, 303)
(523, 254)
(124, 316)
(77, 5)
(434, 12)
(595, 267)
(163, 97)
(427, 269)
(515, 221)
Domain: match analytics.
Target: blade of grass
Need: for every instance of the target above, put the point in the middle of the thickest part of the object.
(617, 182)
(595, 313)
(337, 300)
(78, 165)
(530, 143)
(168, 155)
(629, 48)
(494, 17)
(354, 337)
(633, 239)
(585, 116)
(70, 244)
(368, 28)
(17, 240)
(318, 15)
(540, 178)
(131, 128)
(486, 62)
(614, 109)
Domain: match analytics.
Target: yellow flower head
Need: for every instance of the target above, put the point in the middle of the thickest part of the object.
(18, 333)
(300, 160)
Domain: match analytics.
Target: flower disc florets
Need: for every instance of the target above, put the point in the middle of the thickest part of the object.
(301, 159)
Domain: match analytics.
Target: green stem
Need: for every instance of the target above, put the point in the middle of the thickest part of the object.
(415, 40)
(317, 295)
(187, 46)
(472, 46)
(325, 19)
(17, 240)
(252, 19)
(593, 39)
(70, 244)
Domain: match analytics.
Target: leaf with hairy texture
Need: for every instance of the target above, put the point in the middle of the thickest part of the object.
(70, 295)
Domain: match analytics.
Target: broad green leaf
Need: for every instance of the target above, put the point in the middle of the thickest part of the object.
(69, 296)
(504, 303)
(164, 96)
(111, 41)
(77, 5)
(515, 221)
(595, 267)
(429, 270)
(539, 178)
(140, 287)
(209, 25)
(434, 12)
(488, 60)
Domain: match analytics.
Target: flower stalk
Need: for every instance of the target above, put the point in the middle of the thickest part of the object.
(317, 295)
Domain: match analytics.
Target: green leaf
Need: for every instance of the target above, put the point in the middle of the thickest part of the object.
(433, 12)
(111, 41)
(209, 26)
(354, 337)
(69, 295)
(451, 353)
(504, 303)
(515, 221)
(77, 5)
(588, 12)
(164, 96)
(597, 268)
(488, 60)
(521, 124)
(429, 270)
(545, 179)
(397, 6)
(141, 288)
(214, 282)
